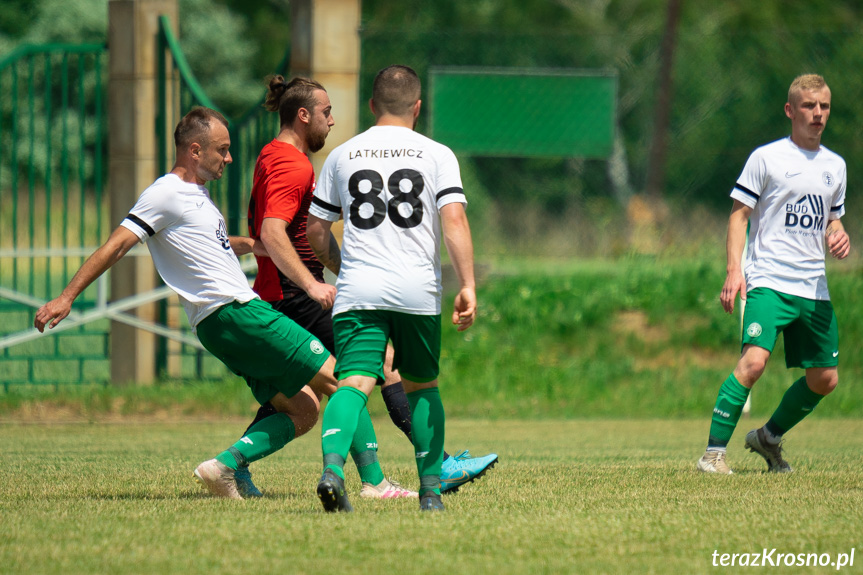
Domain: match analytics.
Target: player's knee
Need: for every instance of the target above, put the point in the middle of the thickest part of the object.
(823, 383)
(748, 373)
(324, 382)
(756, 371)
(303, 408)
(305, 422)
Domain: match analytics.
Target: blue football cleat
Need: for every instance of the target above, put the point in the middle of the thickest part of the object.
(243, 477)
(461, 468)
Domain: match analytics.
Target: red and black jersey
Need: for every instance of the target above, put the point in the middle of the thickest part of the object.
(282, 188)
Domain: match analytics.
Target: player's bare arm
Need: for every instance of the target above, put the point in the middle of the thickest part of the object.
(838, 242)
(324, 244)
(277, 243)
(112, 251)
(459, 245)
(243, 245)
(735, 282)
(333, 258)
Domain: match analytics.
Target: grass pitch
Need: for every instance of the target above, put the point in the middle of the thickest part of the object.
(610, 496)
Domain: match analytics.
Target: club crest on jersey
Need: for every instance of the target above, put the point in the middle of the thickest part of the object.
(828, 179)
(806, 213)
(754, 329)
(316, 347)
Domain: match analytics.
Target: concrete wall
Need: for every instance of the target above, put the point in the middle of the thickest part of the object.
(133, 26)
(326, 47)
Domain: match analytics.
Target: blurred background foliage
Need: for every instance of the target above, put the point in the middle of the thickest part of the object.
(731, 69)
(732, 66)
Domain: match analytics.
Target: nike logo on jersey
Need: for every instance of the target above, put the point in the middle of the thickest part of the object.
(199, 204)
(790, 175)
(835, 353)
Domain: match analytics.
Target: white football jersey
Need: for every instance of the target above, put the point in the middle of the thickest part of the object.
(793, 193)
(188, 239)
(390, 182)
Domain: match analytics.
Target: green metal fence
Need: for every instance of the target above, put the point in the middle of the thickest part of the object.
(52, 169)
(53, 211)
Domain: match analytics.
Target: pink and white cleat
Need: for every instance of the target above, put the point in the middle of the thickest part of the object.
(386, 489)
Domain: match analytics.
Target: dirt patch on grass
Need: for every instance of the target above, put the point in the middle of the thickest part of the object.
(696, 357)
(45, 412)
(634, 322)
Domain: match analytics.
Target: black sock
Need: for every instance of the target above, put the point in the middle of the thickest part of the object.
(399, 409)
(264, 412)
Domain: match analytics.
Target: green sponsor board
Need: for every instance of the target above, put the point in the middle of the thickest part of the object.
(523, 112)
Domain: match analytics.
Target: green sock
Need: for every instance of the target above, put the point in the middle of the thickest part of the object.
(428, 435)
(726, 412)
(263, 438)
(339, 426)
(364, 450)
(797, 403)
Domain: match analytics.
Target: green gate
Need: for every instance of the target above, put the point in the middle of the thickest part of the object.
(53, 211)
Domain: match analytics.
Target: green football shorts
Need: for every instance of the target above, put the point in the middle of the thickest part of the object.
(271, 352)
(361, 341)
(808, 325)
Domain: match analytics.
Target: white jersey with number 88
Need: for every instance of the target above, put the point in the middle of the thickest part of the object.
(389, 183)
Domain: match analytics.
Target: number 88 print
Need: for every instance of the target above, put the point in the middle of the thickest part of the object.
(380, 209)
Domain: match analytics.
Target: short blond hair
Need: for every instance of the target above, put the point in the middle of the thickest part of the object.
(805, 82)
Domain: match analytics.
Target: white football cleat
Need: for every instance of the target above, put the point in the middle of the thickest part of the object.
(714, 462)
(218, 478)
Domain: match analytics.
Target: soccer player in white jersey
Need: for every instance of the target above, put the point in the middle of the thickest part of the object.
(193, 254)
(399, 192)
(278, 210)
(792, 193)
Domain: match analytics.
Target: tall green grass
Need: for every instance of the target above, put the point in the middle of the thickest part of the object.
(640, 337)
(631, 337)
